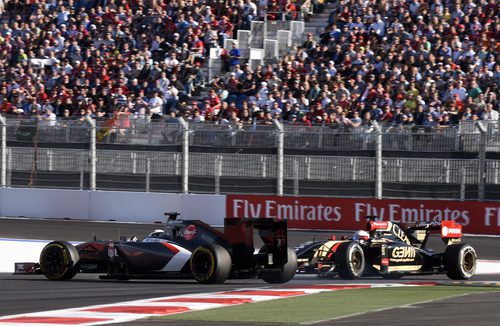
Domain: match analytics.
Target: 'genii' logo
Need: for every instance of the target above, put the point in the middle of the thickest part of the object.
(190, 232)
(403, 252)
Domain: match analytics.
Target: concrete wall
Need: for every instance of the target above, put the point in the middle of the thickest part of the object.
(109, 205)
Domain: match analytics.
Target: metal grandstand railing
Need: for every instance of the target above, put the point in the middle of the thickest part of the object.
(462, 138)
(224, 158)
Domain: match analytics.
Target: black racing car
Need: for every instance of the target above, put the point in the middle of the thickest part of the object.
(184, 249)
(391, 251)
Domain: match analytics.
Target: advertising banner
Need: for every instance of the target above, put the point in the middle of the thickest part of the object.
(324, 213)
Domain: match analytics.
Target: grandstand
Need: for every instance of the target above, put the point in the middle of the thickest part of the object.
(287, 97)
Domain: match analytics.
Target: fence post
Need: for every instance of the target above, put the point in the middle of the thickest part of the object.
(378, 160)
(482, 160)
(82, 169)
(263, 162)
(93, 154)
(218, 173)
(280, 159)
(148, 174)
(185, 155)
(296, 177)
(3, 126)
(462, 183)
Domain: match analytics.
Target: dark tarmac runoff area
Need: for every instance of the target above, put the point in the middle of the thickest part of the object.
(24, 294)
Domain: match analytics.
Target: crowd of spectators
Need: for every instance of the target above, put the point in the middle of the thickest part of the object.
(101, 58)
(404, 62)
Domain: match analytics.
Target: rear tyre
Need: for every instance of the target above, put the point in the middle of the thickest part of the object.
(350, 260)
(460, 261)
(282, 276)
(59, 260)
(210, 264)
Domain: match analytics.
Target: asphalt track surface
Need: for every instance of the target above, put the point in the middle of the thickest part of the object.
(23, 294)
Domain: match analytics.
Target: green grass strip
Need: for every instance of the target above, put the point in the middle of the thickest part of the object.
(326, 305)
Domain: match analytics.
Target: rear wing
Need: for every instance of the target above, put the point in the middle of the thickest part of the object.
(451, 232)
(273, 233)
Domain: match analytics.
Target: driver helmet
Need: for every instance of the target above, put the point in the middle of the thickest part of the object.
(156, 233)
(361, 235)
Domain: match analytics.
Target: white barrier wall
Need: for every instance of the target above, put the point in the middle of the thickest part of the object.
(44, 203)
(110, 205)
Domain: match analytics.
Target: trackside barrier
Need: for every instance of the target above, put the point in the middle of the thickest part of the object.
(311, 213)
(327, 213)
(109, 205)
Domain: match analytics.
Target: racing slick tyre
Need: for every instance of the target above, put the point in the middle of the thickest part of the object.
(210, 264)
(282, 276)
(350, 260)
(59, 260)
(460, 261)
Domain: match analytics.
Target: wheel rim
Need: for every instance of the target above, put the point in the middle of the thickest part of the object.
(202, 265)
(468, 263)
(54, 262)
(356, 261)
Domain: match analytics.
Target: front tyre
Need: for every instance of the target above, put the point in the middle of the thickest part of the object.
(210, 264)
(284, 275)
(460, 261)
(350, 260)
(58, 261)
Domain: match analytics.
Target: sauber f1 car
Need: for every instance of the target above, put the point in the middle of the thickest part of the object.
(391, 251)
(184, 249)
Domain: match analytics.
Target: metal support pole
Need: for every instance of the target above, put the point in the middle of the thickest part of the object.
(263, 162)
(133, 157)
(9, 167)
(185, 155)
(462, 184)
(93, 154)
(50, 158)
(148, 174)
(82, 170)
(280, 158)
(3, 126)
(296, 177)
(378, 160)
(308, 168)
(218, 173)
(482, 160)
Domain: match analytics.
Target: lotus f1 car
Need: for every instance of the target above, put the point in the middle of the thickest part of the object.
(391, 251)
(184, 249)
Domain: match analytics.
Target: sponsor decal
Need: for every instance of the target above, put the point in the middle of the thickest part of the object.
(19, 268)
(384, 262)
(329, 213)
(190, 232)
(405, 268)
(397, 231)
(449, 229)
(375, 225)
(403, 254)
